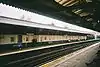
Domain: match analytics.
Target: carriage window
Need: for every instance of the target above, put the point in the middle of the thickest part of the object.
(12, 39)
(34, 40)
(27, 38)
(45, 38)
(41, 39)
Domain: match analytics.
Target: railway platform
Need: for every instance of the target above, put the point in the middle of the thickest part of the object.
(78, 58)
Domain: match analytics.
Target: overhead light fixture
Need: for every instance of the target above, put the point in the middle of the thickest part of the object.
(98, 21)
(84, 14)
(58, 0)
(69, 2)
(77, 11)
(89, 19)
(63, 1)
(88, 0)
(73, 3)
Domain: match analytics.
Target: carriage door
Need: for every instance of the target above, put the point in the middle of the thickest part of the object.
(20, 40)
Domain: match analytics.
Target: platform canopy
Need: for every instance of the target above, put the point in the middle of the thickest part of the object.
(85, 13)
(17, 13)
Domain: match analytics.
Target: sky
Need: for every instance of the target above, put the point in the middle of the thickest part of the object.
(13, 12)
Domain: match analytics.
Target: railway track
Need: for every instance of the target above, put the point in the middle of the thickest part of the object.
(38, 57)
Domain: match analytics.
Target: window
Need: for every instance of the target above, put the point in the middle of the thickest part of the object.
(12, 39)
(45, 38)
(34, 40)
(41, 39)
(27, 38)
